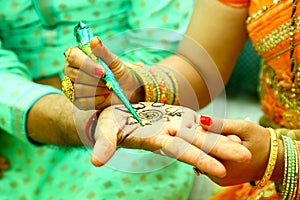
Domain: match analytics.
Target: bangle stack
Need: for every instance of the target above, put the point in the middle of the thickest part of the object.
(289, 189)
(160, 84)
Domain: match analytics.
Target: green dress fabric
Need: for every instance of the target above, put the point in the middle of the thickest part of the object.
(34, 34)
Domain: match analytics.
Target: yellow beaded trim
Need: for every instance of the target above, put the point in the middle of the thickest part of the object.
(276, 37)
(272, 159)
(261, 11)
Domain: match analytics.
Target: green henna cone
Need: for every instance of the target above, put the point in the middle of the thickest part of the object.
(83, 35)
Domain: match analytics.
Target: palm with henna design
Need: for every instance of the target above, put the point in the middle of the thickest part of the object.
(173, 129)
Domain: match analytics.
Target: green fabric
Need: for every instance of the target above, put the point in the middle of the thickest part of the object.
(34, 34)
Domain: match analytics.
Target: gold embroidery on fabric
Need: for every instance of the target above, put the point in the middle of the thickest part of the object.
(276, 37)
(288, 98)
(260, 12)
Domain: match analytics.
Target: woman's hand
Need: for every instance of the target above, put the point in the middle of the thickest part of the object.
(90, 92)
(3, 165)
(256, 138)
(172, 129)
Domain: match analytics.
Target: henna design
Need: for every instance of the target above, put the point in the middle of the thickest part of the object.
(136, 107)
(150, 116)
(177, 112)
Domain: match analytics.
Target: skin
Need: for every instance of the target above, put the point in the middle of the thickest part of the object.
(112, 129)
(205, 17)
(173, 129)
(257, 139)
(59, 123)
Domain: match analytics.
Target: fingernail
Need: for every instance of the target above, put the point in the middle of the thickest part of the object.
(96, 162)
(106, 95)
(99, 41)
(205, 120)
(99, 73)
(96, 42)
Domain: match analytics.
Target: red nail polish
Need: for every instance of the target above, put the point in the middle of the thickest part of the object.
(106, 95)
(99, 73)
(99, 42)
(205, 120)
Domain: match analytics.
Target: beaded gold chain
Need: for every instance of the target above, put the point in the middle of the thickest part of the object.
(292, 115)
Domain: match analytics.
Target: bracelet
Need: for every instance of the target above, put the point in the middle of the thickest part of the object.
(272, 160)
(91, 126)
(290, 180)
(297, 143)
(169, 87)
(152, 92)
(175, 97)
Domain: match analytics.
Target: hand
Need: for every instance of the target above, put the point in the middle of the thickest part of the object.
(172, 129)
(256, 138)
(3, 165)
(90, 93)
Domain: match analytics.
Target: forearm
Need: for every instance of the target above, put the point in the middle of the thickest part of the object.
(53, 119)
(188, 77)
(201, 58)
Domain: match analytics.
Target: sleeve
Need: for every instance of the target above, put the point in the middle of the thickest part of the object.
(156, 27)
(236, 3)
(17, 94)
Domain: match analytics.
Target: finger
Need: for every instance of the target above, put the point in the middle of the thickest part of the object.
(101, 51)
(106, 141)
(87, 79)
(78, 59)
(234, 138)
(79, 76)
(216, 145)
(86, 103)
(185, 152)
(82, 90)
(70, 71)
(226, 126)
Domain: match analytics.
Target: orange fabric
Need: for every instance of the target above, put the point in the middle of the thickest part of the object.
(245, 191)
(236, 3)
(277, 58)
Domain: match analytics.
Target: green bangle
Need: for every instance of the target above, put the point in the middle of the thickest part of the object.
(291, 169)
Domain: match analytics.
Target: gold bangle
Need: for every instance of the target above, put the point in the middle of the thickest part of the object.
(272, 159)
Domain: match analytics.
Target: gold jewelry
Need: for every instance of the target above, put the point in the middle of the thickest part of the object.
(68, 52)
(67, 88)
(198, 172)
(272, 159)
(162, 152)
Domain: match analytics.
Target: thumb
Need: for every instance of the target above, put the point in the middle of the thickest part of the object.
(106, 142)
(111, 60)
